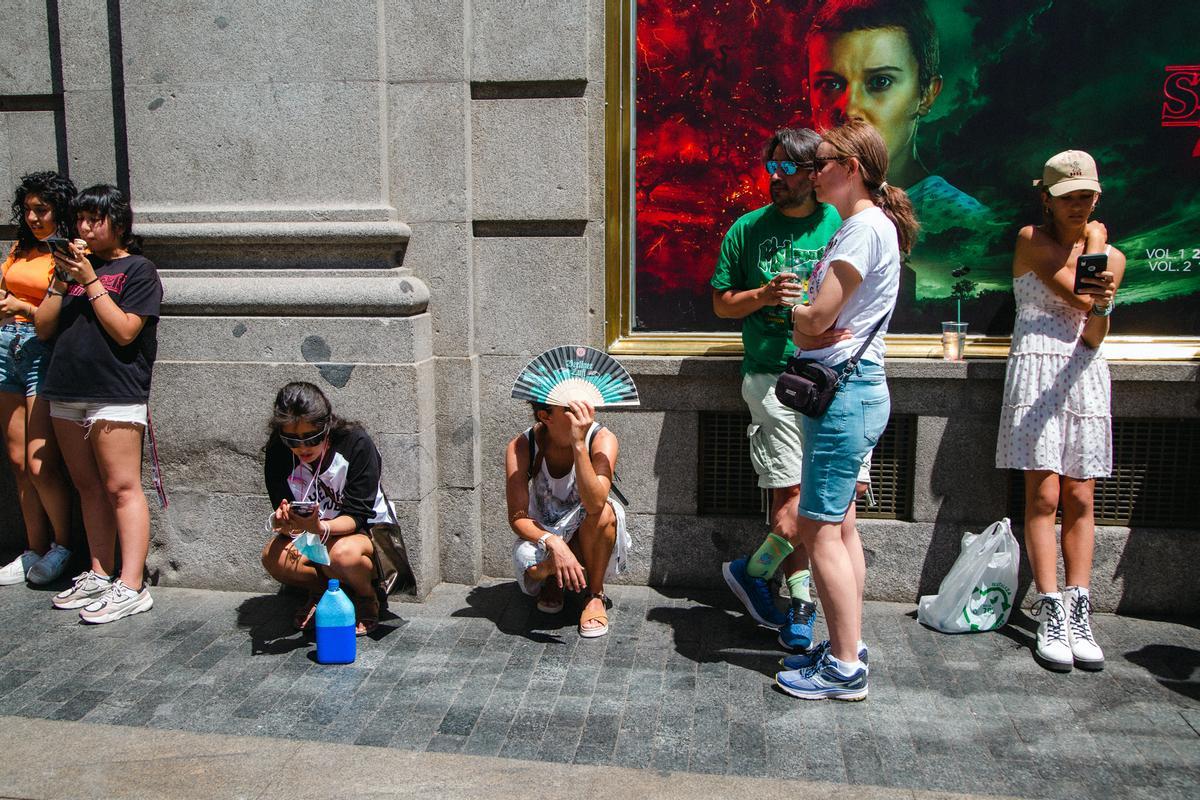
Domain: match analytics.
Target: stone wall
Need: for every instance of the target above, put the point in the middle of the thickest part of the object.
(404, 201)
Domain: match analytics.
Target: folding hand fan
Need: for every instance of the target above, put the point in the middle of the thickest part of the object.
(574, 372)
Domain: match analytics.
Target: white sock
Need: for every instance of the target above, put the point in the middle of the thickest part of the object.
(846, 668)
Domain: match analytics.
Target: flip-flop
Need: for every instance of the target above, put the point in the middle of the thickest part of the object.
(588, 616)
(366, 614)
(550, 598)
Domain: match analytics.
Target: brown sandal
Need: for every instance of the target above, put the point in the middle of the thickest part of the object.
(589, 616)
(550, 598)
(366, 613)
(305, 616)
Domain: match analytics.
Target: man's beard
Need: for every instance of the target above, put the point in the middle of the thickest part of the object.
(783, 197)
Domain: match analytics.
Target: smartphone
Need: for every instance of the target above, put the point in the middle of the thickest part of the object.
(1089, 265)
(59, 245)
(63, 247)
(302, 508)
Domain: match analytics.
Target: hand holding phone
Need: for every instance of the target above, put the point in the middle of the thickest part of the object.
(1088, 267)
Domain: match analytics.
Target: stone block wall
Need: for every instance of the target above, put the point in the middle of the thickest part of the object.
(404, 201)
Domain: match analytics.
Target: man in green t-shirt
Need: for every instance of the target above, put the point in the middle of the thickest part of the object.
(763, 269)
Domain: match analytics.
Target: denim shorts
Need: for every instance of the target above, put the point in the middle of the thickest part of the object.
(24, 359)
(836, 443)
(86, 413)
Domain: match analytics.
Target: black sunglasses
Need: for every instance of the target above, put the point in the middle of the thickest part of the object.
(304, 441)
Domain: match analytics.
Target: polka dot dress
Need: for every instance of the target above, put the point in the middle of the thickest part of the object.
(1056, 412)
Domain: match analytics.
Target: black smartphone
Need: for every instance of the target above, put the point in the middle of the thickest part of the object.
(302, 508)
(63, 247)
(1089, 265)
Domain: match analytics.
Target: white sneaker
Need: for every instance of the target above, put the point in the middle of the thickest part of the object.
(1086, 652)
(14, 572)
(85, 587)
(50, 566)
(118, 602)
(1053, 649)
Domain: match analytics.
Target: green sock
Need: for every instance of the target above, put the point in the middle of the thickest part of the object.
(800, 585)
(768, 556)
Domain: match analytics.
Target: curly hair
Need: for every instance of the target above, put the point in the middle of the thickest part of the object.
(58, 192)
(110, 202)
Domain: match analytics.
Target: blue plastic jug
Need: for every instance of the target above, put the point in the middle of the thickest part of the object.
(335, 626)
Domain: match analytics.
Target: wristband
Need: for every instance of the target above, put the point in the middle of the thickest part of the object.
(1097, 312)
(541, 542)
(89, 283)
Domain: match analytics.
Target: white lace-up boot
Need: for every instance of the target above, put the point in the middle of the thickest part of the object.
(1053, 647)
(1086, 652)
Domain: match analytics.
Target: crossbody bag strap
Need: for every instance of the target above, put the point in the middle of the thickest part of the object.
(853, 362)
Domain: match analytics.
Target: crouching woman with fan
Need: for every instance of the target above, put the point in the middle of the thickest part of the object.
(568, 517)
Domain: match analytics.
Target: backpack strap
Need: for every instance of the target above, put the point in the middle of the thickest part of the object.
(613, 488)
(535, 457)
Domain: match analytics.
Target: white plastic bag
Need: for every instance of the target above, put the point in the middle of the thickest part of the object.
(979, 591)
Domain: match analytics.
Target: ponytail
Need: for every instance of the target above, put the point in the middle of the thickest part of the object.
(896, 206)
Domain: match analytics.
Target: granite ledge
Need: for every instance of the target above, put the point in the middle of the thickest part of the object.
(278, 292)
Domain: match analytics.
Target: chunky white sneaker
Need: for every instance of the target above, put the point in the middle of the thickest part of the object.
(1086, 652)
(1053, 650)
(50, 566)
(85, 587)
(117, 603)
(14, 572)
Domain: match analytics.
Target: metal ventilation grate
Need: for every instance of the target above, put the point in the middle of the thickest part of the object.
(729, 485)
(1154, 461)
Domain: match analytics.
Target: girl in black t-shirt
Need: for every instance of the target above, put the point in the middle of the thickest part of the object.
(333, 467)
(102, 310)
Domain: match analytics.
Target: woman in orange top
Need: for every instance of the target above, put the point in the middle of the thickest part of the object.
(43, 206)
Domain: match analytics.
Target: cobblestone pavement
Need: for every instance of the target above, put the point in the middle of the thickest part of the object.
(684, 683)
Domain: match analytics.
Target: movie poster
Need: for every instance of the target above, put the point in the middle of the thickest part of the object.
(1019, 82)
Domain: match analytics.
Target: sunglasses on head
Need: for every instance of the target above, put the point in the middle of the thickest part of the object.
(788, 167)
(303, 441)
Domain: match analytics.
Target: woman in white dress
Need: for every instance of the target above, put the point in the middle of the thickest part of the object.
(1055, 423)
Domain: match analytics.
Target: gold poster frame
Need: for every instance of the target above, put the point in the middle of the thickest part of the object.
(620, 339)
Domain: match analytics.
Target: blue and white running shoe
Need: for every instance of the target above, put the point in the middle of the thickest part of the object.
(796, 633)
(755, 594)
(806, 660)
(822, 681)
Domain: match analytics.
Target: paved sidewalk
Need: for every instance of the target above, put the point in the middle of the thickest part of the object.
(682, 685)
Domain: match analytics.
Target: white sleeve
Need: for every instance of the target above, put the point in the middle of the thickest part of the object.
(860, 249)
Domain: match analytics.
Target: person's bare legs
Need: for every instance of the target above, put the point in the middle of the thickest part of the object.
(593, 544)
(285, 564)
(99, 522)
(1041, 545)
(350, 562)
(854, 547)
(1078, 530)
(44, 465)
(834, 572)
(12, 420)
(117, 447)
(784, 503)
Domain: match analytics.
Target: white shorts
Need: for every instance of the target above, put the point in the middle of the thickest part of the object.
(87, 413)
(527, 554)
(776, 444)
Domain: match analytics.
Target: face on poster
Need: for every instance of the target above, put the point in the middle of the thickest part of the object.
(971, 96)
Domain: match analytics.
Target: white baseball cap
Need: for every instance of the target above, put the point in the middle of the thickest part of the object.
(1069, 171)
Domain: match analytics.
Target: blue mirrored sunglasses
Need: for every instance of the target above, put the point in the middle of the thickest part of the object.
(788, 167)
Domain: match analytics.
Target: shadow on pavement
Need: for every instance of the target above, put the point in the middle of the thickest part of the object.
(711, 627)
(514, 614)
(1174, 667)
(267, 618)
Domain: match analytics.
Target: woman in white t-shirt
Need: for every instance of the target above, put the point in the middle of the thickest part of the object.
(853, 287)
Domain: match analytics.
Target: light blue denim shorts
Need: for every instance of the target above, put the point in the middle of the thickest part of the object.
(24, 359)
(836, 443)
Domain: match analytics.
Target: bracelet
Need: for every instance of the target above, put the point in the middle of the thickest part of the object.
(51, 293)
(541, 542)
(325, 532)
(95, 297)
(89, 283)
(1098, 312)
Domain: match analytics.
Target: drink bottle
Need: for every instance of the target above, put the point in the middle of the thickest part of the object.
(335, 626)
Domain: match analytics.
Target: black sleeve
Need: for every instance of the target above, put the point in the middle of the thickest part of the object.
(362, 477)
(142, 293)
(275, 471)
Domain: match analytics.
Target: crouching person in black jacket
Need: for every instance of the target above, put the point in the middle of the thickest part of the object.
(323, 478)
